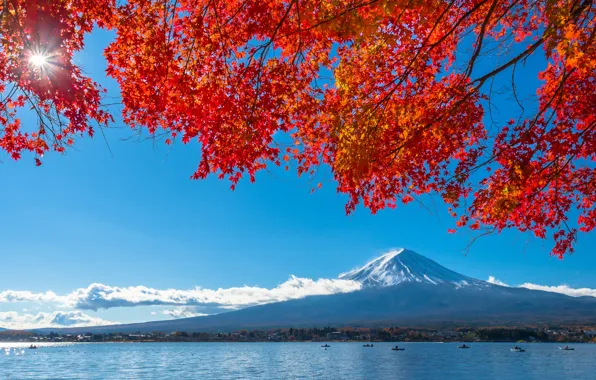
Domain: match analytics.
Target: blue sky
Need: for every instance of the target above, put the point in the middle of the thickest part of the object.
(129, 215)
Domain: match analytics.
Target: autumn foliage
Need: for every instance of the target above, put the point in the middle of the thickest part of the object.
(372, 88)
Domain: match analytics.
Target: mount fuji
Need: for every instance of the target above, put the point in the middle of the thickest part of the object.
(405, 266)
(399, 288)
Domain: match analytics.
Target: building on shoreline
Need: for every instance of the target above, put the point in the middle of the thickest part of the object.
(580, 334)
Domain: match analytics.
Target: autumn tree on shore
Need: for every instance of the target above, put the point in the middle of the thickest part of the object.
(371, 88)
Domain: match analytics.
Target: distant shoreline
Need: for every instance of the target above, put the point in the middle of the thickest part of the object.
(552, 334)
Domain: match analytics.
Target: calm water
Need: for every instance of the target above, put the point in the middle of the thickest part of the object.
(294, 361)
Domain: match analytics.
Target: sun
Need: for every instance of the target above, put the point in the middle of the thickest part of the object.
(38, 60)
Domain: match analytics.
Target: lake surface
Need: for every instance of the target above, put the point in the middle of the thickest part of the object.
(294, 361)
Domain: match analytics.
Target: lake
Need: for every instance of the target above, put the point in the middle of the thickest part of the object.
(294, 361)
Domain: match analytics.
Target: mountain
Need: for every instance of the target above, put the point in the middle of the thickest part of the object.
(398, 288)
(402, 266)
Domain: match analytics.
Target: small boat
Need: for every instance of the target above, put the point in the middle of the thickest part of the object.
(517, 349)
(463, 346)
(567, 348)
(33, 347)
(397, 349)
(325, 345)
(368, 345)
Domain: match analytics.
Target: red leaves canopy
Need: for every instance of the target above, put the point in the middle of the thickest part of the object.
(63, 98)
(371, 88)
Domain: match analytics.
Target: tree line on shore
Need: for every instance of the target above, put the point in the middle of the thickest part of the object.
(389, 334)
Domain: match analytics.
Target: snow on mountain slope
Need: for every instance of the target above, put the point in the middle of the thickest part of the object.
(402, 265)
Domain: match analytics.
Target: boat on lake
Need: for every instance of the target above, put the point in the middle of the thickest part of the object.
(463, 346)
(325, 345)
(567, 348)
(517, 349)
(396, 348)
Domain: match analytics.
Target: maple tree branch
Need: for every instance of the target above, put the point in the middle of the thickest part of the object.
(409, 68)
(458, 23)
(342, 13)
(410, 65)
(507, 9)
(480, 39)
(511, 145)
(419, 131)
(467, 248)
(266, 48)
(221, 35)
(279, 24)
(233, 16)
(514, 89)
(575, 15)
(490, 103)
(513, 61)
(558, 93)
(41, 115)
(299, 47)
(555, 160)
(167, 41)
(582, 7)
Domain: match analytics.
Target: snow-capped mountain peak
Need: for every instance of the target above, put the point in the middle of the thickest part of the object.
(402, 265)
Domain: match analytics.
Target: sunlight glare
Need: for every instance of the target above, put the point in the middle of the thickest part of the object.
(38, 60)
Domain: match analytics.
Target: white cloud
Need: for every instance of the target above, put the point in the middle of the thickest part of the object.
(494, 281)
(563, 289)
(181, 312)
(27, 296)
(14, 320)
(99, 296)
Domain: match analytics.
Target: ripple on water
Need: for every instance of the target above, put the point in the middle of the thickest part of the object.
(292, 361)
